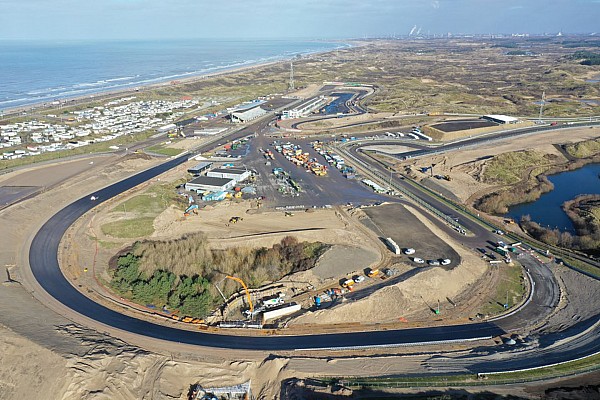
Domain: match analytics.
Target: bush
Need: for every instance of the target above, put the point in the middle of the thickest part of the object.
(178, 273)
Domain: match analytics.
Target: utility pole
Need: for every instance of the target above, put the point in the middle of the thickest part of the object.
(292, 76)
(542, 105)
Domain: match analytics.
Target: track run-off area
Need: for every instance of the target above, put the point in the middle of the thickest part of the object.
(43, 261)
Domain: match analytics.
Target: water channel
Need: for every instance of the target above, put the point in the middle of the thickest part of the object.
(547, 209)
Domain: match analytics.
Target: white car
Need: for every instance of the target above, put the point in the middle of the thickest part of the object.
(409, 251)
(433, 262)
(445, 261)
(418, 260)
(358, 278)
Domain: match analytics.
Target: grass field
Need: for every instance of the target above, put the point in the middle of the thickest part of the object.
(162, 149)
(511, 283)
(584, 149)
(140, 211)
(508, 168)
(129, 228)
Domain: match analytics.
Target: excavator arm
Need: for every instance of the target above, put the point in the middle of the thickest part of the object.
(241, 282)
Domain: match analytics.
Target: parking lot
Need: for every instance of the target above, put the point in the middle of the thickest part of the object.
(395, 221)
(318, 191)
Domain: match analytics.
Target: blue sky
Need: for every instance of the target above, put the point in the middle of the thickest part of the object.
(156, 19)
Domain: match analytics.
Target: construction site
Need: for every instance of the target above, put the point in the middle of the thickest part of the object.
(302, 245)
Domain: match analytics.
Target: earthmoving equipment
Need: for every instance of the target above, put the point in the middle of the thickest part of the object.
(372, 273)
(241, 282)
(234, 220)
(193, 207)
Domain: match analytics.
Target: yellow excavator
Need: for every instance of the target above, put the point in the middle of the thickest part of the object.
(241, 282)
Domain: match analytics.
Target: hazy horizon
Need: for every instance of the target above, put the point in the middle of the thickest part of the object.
(270, 19)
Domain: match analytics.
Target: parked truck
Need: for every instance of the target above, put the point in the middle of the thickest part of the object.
(392, 245)
(371, 273)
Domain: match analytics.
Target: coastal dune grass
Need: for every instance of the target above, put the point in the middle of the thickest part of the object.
(508, 168)
(584, 149)
(511, 282)
(129, 228)
(137, 214)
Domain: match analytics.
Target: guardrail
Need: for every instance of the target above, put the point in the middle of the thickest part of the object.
(393, 383)
(536, 245)
(379, 176)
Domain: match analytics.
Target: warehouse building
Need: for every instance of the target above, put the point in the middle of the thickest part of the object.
(501, 119)
(237, 174)
(200, 168)
(210, 184)
(306, 108)
(247, 115)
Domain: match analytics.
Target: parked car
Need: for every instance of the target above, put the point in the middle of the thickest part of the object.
(409, 251)
(433, 262)
(418, 260)
(358, 278)
(445, 261)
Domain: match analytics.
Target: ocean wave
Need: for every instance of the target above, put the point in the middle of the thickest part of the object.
(132, 80)
(102, 82)
(15, 100)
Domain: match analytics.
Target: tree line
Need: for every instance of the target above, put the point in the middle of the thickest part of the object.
(181, 274)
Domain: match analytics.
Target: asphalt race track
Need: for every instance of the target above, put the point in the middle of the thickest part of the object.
(44, 265)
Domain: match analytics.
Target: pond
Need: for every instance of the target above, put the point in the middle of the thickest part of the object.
(547, 209)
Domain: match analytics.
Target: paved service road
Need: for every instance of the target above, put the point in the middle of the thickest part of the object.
(45, 268)
(44, 265)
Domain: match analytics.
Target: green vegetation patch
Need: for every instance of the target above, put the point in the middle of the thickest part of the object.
(587, 148)
(511, 288)
(140, 211)
(142, 204)
(162, 149)
(181, 274)
(129, 228)
(509, 168)
(189, 295)
(586, 57)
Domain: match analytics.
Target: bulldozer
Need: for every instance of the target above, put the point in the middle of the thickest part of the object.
(234, 220)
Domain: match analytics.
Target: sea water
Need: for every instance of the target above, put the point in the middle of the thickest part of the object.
(39, 72)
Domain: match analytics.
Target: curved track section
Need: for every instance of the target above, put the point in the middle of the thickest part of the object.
(45, 267)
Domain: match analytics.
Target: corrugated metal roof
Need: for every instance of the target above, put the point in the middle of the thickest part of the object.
(237, 171)
(247, 106)
(211, 181)
(200, 166)
(249, 114)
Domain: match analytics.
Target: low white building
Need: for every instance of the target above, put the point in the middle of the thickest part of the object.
(237, 174)
(500, 119)
(210, 184)
(305, 108)
(247, 115)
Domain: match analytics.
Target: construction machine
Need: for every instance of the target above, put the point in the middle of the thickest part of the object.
(241, 282)
(193, 208)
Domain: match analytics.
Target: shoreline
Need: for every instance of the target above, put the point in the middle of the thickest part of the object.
(100, 95)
